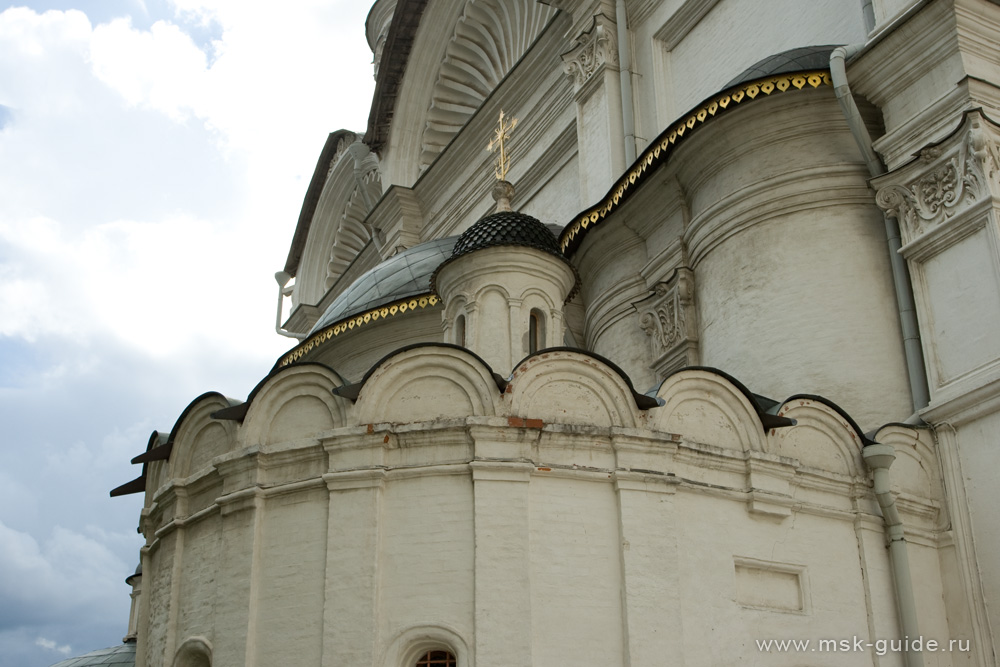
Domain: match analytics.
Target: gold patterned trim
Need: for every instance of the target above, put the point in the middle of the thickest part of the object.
(658, 151)
(356, 321)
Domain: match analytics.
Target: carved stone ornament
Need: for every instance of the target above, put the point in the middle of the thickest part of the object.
(345, 141)
(596, 47)
(669, 319)
(946, 179)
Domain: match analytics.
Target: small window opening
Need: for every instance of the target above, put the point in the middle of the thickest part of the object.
(436, 659)
(460, 330)
(536, 331)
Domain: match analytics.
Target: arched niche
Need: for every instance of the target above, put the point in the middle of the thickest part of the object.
(194, 652)
(351, 234)
(296, 402)
(427, 382)
(408, 645)
(705, 407)
(567, 387)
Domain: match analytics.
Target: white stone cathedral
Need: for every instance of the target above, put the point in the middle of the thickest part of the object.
(711, 377)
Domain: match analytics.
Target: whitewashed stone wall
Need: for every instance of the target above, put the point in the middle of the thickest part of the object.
(540, 526)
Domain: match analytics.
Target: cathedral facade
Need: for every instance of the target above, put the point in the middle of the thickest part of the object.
(699, 356)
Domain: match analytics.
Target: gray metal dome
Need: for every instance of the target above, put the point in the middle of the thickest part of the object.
(404, 275)
(122, 655)
(793, 60)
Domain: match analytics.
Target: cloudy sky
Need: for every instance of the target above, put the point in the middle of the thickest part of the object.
(153, 159)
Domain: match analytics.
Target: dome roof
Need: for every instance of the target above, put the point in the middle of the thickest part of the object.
(511, 229)
(122, 655)
(404, 275)
(793, 60)
(506, 228)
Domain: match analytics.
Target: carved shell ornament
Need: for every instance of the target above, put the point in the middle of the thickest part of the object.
(352, 235)
(489, 39)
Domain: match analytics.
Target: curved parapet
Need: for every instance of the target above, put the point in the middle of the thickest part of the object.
(198, 438)
(915, 471)
(824, 437)
(706, 406)
(294, 402)
(572, 387)
(425, 382)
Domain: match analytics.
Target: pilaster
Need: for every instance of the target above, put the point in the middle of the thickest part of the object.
(650, 590)
(241, 512)
(503, 587)
(593, 66)
(947, 202)
(353, 545)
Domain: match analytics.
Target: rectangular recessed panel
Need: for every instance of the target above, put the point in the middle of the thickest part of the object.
(769, 586)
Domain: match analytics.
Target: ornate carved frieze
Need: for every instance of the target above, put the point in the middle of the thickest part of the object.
(945, 180)
(595, 48)
(669, 319)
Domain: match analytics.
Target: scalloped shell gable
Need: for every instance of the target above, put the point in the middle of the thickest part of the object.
(489, 39)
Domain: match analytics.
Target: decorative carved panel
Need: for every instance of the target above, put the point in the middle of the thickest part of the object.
(945, 180)
(595, 48)
(669, 320)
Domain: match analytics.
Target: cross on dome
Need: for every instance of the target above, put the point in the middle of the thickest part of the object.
(501, 134)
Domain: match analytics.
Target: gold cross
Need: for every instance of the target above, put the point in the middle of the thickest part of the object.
(502, 164)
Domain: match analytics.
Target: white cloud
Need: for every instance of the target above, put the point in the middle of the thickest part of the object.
(161, 68)
(59, 578)
(150, 181)
(66, 649)
(158, 277)
(58, 41)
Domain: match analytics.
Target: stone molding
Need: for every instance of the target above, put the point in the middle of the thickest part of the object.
(945, 180)
(595, 48)
(682, 21)
(669, 319)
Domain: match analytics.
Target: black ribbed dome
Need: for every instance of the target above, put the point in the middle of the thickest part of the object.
(506, 228)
